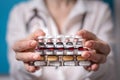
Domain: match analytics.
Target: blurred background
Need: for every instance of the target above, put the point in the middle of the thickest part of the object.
(6, 6)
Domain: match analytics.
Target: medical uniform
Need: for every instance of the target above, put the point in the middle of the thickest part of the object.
(97, 20)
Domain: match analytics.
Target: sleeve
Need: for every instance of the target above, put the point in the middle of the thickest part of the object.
(16, 31)
(104, 30)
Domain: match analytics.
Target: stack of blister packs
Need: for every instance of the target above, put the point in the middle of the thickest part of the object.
(60, 51)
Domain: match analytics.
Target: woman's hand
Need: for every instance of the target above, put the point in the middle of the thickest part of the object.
(24, 50)
(99, 49)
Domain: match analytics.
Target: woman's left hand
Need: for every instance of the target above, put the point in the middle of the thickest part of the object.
(99, 49)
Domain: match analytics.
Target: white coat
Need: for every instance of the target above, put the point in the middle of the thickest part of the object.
(98, 20)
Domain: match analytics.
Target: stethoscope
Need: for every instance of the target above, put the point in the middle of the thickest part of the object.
(36, 15)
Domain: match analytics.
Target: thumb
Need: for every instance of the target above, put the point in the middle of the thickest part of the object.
(35, 34)
(86, 35)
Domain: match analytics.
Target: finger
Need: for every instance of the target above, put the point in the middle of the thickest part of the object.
(93, 67)
(35, 34)
(99, 46)
(88, 68)
(27, 56)
(93, 56)
(24, 45)
(86, 35)
(30, 68)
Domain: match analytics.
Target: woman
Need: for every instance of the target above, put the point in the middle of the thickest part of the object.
(54, 17)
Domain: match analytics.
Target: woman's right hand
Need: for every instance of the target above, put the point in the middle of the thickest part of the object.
(24, 50)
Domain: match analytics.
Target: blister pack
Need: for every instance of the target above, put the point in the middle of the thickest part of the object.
(60, 51)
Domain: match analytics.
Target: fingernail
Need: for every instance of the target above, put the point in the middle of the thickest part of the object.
(37, 33)
(88, 44)
(33, 43)
(35, 57)
(86, 55)
(92, 51)
(31, 69)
